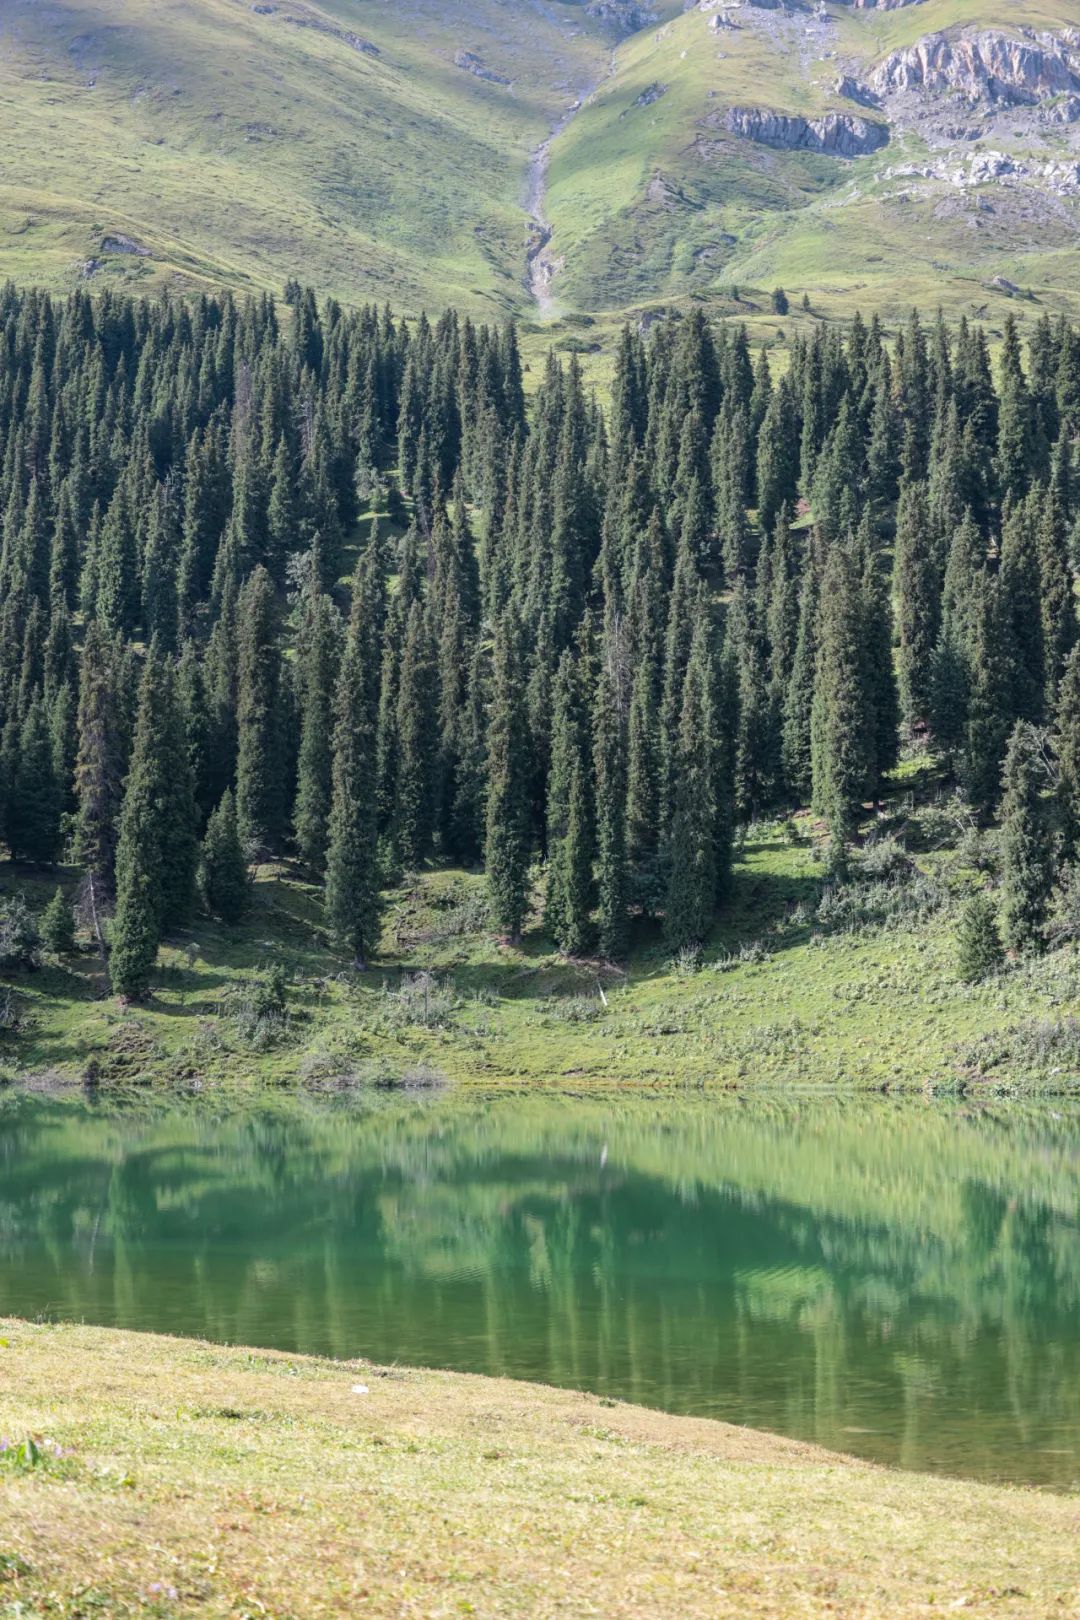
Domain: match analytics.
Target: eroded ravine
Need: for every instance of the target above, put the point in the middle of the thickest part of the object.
(541, 265)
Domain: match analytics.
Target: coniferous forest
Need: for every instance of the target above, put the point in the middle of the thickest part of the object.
(599, 638)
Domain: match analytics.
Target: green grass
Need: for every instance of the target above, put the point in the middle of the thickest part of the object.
(789, 992)
(732, 213)
(241, 149)
(177, 1478)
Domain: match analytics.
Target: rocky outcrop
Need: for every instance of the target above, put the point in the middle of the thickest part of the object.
(837, 134)
(117, 243)
(852, 90)
(316, 24)
(988, 66)
(471, 63)
(625, 15)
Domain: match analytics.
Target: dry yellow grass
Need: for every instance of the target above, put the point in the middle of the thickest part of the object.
(197, 1479)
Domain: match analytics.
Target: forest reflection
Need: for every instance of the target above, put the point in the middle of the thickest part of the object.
(897, 1280)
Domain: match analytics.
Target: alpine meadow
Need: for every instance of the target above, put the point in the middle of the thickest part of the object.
(539, 808)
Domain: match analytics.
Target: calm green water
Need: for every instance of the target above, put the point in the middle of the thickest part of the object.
(902, 1282)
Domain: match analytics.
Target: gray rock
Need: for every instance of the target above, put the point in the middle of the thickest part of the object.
(471, 63)
(626, 15)
(851, 90)
(836, 134)
(987, 66)
(116, 242)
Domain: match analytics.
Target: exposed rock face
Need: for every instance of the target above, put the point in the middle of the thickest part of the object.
(626, 15)
(852, 90)
(116, 243)
(837, 134)
(883, 5)
(317, 25)
(988, 66)
(474, 64)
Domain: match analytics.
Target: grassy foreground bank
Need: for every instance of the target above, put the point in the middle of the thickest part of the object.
(171, 1477)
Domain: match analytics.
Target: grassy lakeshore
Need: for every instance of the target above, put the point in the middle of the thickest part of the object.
(196, 1479)
(803, 983)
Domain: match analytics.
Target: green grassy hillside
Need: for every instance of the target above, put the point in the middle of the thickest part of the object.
(239, 145)
(654, 199)
(804, 983)
(176, 1478)
(389, 154)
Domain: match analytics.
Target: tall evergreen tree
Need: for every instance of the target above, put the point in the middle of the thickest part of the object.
(506, 848)
(315, 765)
(352, 868)
(260, 800)
(223, 873)
(690, 853)
(918, 599)
(1026, 865)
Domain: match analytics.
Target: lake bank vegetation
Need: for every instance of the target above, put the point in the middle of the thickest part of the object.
(638, 710)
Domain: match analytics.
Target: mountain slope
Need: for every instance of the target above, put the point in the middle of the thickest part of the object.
(237, 144)
(873, 157)
(831, 150)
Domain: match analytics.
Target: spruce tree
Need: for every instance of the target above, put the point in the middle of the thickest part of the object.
(611, 790)
(58, 925)
(136, 928)
(567, 914)
(33, 815)
(506, 845)
(843, 720)
(260, 804)
(223, 875)
(978, 942)
(642, 799)
(101, 762)
(918, 597)
(798, 699)
(414, 806)
(315, 765)
(1020, 584)
(1067, 751)
(1027, 871)
(690, 857)
(352, 875)
(988, 721)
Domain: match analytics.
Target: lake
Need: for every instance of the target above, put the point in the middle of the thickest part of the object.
(900, 1280)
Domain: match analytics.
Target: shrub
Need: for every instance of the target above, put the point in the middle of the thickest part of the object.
(978, 943)
(749, 953)
(1043, 1048)
(848, 907)
(1065, 916)
(576, 1009)
(12, 1018)
(260, 1011)
(420, 999)
(882, 860)
(20, 938)
(686, 961)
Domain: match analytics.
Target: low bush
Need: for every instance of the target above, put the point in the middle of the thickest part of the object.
(420, 999)
(20, 937)
(259, 1010)
(1042, 1048)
